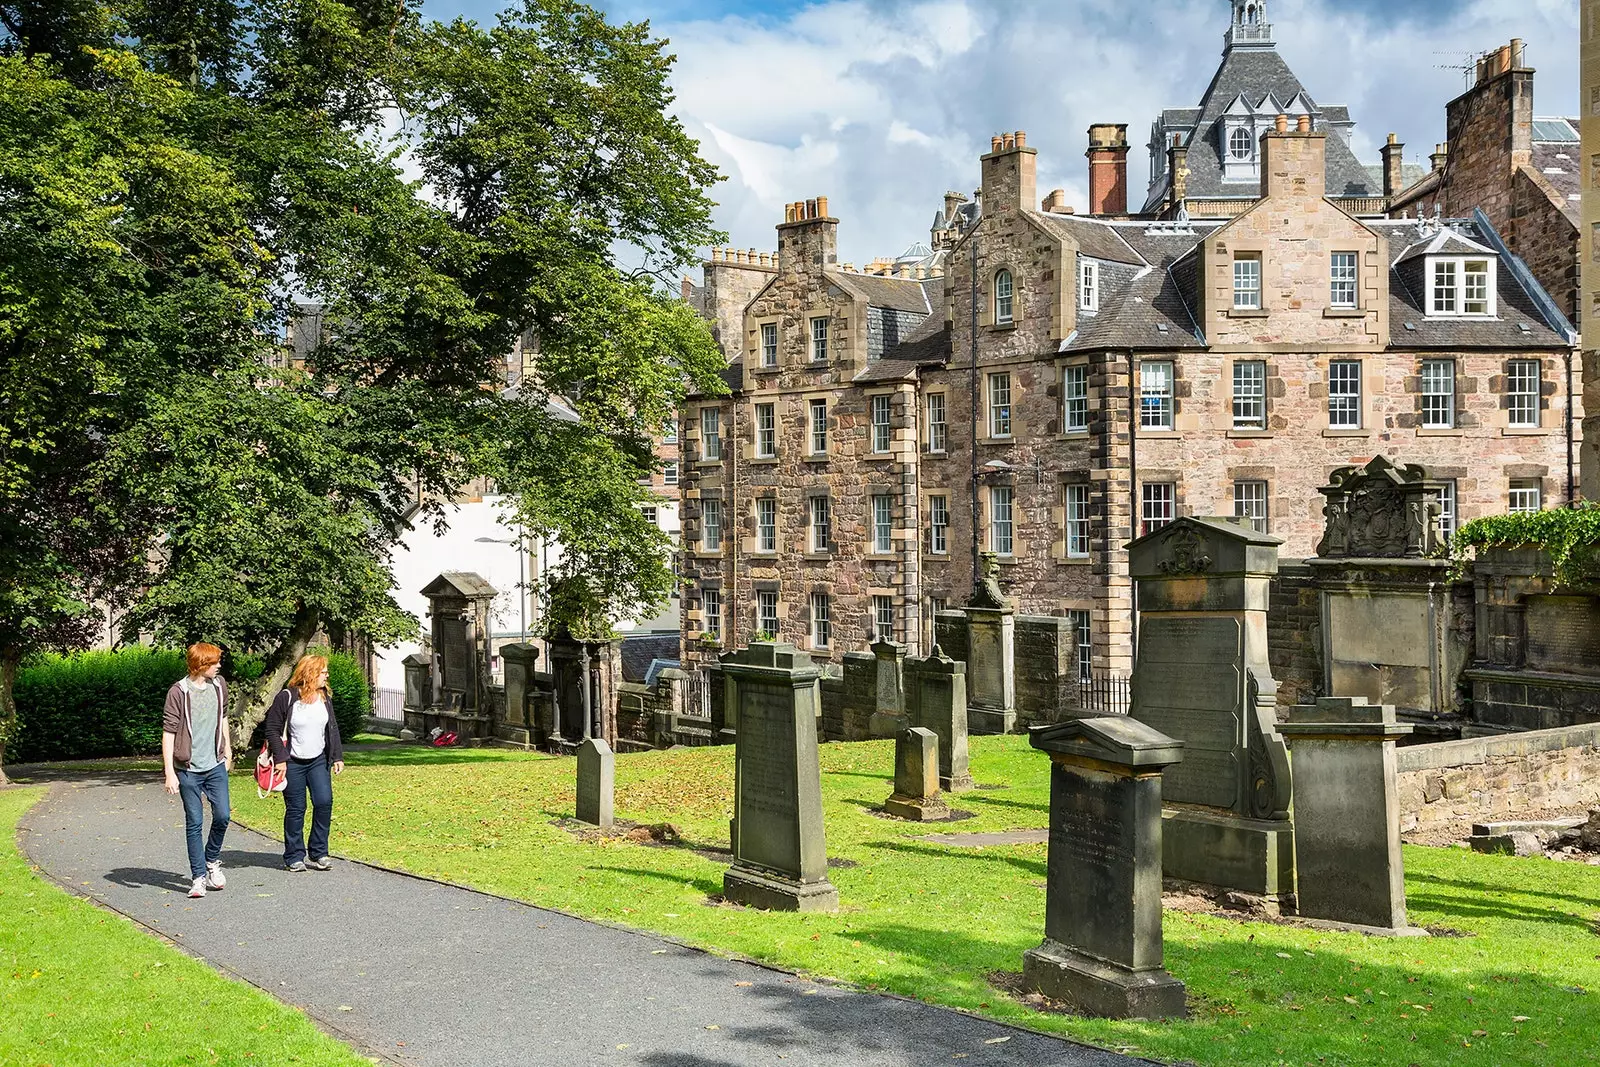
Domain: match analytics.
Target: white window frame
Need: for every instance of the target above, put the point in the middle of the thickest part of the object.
(711, 434)
(939, 525)
(821, 620)
(767, 599)
(1247, 282)
(669, 432)
(1158, 505)
(1250, 394)
(938, 423)
(1438, 396)
(819, 339)
(882, 407)
(1462, 287)
(1449, 514)
(1076, 507)
(711, 526)
(1250, 502)
(650, 513)
(766, 524)
(1156, 380)
(1241, 150)
(1525, 495)
(769, 344)
(669, 472)
(1344, 402)
(882, 524)
(1523, 395)
(999, 391)
(1343, 279)
(1002, 520)
(818, 415)
(1005, 295)
(1088, 285)
(883, 620)
(820, 524)
(711, 613)
(766, 425)
(1075, 398)
(1083, 641)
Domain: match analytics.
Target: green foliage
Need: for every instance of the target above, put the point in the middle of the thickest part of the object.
(93, 704)
(1571, 537)
(352, 697)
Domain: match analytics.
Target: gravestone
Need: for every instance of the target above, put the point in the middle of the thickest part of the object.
(419, 692)
(936, 690)
(519, 727)
(1347, 813)
(916, 777)
(991, 654)
(1201, 676)
(889, 708)
(458, 608)
(597, 773)
(1102, 949)
(779, 852)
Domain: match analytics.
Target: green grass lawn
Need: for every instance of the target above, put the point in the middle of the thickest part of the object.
(82, 987)
(935, 923)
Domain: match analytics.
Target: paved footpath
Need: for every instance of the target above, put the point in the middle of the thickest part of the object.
(430, 975)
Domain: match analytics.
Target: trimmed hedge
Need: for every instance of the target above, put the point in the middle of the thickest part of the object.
(95, 704)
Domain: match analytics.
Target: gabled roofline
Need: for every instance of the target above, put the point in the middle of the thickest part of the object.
(1548, 310)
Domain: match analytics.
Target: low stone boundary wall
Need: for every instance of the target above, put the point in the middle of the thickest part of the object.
(1484, 778)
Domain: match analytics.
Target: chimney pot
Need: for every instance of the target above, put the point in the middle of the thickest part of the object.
(1391, 139)
(1282, 123)
(996, 143)
(822, 207)
(1022, 138)
(1303, 124)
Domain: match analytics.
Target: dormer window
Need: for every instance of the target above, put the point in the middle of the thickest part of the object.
(1003, 292)
(1089, 290)
(1461, 287)
(1241, 145)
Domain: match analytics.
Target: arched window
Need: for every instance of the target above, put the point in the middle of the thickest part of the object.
(1251, 17)
(1240, 144)
(1002, 297)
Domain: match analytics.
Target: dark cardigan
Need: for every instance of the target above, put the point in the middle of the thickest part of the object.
(278, 723)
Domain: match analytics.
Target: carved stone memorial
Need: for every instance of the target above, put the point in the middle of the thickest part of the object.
(1201, 676)
(519, 727)
(991, 654)
(780, 856)
(936, 690)
(1347, 813)
(458, 610)
(889, 714)
(1102, 949)
(916, 777)
(597, 774)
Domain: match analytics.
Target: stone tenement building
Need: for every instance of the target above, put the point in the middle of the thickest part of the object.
(1589, 93)
(1074, 381)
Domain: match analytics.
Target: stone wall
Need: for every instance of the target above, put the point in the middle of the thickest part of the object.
(1447, 785)
(1546, 238)
(660, 715)
(1294, 635)
(1046, 669)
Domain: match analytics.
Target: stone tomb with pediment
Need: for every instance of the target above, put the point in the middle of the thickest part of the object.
(1201, 677)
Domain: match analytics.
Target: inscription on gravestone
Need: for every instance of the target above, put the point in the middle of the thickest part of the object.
(768, 802)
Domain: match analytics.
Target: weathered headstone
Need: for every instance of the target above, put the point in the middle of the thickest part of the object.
(779, 851)
(1347, 813)
(937, 690)
(458, 607)
(991, 654)
(889, 714)
(916, 777)
(518, 727)
(1102, 949)
(1202, 677)
(597, 775)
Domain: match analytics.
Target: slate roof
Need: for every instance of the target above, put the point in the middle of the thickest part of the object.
(1253, 73)
(897, 294)
(639, 651)
(928, 345)
(1094, 239)
(1148, 310)
(1558, 163)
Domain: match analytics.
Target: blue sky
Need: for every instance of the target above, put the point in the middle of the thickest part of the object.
(881, 105)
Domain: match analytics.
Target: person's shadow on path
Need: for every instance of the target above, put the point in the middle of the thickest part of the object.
(135, 877)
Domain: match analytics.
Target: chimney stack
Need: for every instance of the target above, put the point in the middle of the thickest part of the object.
(1294, 163)
(1178, 170)
(1108, 169)
(1441, 156)
(1393, 166)
(808, 240)
(1009, 175)
(1056, 203)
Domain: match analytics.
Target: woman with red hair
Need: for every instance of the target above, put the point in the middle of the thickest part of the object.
(195, 753)
(305, 743)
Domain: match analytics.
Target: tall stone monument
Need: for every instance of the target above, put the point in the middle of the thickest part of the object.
(780, 856)
(991, 654)
(1102, 949)
(1201, 676)
(519, 726)
(889, 715)
(597, 775)
(1347, 813)
(458, 608)
(916, 778)
(936, 692)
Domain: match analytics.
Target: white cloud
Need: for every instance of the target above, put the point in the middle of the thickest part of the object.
(882, 105)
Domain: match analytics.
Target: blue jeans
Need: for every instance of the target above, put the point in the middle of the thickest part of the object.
(213, 785)
(303, 775)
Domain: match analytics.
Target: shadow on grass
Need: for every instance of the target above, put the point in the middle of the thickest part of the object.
(1460, 909)
(978, 796)
(404, 755)
(1515, 882)
(1037, 868)
(858, 774)
(705, 885)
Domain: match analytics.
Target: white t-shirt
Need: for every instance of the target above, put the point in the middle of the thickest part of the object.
(308, 729)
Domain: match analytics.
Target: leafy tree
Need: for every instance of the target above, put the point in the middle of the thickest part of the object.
(176, 174)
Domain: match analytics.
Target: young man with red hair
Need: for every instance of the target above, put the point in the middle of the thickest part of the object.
(196, 752)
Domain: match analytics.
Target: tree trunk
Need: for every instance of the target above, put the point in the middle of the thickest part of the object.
(250, 703)
(10, 659)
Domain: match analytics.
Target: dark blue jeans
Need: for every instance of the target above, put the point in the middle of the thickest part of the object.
(213, 786)
(307, 775)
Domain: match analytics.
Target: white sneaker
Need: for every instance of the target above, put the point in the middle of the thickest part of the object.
(215, 879)
(199, 888)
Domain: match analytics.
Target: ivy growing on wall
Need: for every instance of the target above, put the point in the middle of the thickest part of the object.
(1570, 536)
